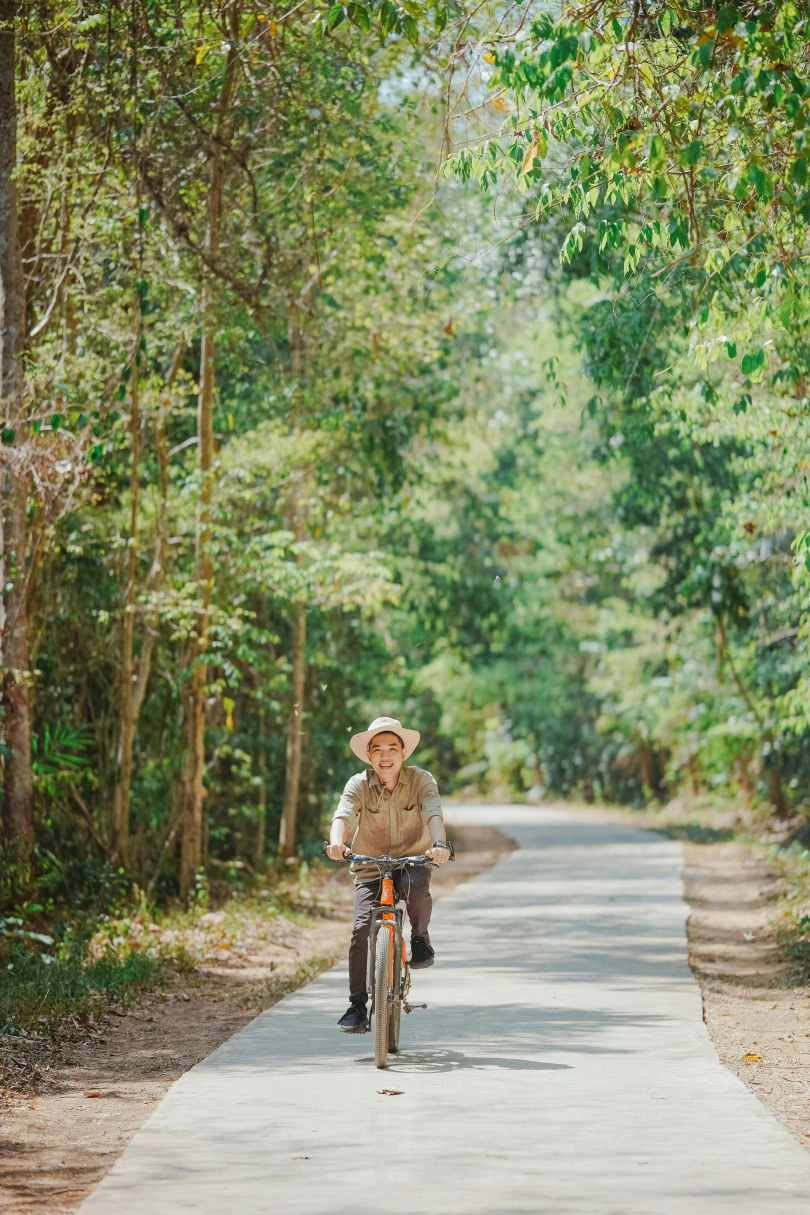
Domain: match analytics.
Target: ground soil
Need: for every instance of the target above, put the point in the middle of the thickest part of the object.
(86, 1093)
(759, 1023)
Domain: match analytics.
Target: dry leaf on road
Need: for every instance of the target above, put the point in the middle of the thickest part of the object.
(390, 1092)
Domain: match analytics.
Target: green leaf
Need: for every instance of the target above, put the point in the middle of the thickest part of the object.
(359, 15)
(761, 182)
(337, 14)
(410, 29)
(731, 349)
(693, 152)
(727, 18)
(92, 22)
(798, 171)
(440, 19)
(389, 17)
(751, 362)
(658, 156)
(8, 435)
(56, 421)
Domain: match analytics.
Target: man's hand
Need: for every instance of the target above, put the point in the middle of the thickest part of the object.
(438, 854)
(336, 852)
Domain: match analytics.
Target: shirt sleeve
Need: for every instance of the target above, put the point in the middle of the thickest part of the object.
(348, 807)
(432, 803)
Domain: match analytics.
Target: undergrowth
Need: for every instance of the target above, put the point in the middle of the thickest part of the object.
(38, 992)
(79, 969)
(794, 929)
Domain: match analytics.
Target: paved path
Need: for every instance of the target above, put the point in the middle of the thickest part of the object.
(562, 1067)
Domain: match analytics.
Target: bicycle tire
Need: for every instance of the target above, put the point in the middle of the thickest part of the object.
(382, 971)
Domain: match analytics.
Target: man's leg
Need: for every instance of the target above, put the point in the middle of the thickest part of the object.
(365, 896)
(415, 887)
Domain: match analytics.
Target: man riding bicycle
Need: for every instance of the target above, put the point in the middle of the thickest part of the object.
(388, 810)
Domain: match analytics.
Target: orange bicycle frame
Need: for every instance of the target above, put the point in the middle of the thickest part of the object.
(388, 920)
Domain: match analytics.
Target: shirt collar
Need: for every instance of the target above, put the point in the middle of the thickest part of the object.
(375, 782)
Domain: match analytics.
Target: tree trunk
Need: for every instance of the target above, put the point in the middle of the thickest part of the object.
(18, 823)
(127, 725)
(261, 825)
(133, 687)
(194, 791)
(645, 768)
(776, 794)
(295, 732)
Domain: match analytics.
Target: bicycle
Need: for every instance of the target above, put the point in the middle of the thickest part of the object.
(389, 975)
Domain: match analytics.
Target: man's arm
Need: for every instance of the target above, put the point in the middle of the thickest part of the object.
(432, 810)
(336, 849)
(343, 820)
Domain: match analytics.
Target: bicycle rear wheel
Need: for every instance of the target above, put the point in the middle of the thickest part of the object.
(382, 972)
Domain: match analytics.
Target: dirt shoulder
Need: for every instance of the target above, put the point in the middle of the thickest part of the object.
(89, 1090)
(759, 1024)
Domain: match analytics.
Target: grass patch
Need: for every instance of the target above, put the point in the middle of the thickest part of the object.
(697, 833)
(37, 994)
(793, 863)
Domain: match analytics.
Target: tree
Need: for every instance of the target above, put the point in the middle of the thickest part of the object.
(17, 804)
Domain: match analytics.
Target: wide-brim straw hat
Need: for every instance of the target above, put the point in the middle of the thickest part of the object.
(384, 725)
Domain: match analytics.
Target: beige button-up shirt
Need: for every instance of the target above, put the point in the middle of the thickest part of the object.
(404, 822)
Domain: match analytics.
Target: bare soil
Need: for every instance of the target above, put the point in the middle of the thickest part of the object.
(759, 1023)
(89, 1091)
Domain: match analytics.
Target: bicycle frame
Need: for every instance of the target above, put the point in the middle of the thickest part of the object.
(386, 916)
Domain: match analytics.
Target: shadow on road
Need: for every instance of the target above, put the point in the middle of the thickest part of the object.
(454, 1060)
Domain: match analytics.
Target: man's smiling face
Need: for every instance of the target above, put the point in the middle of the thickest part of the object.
(386, 755)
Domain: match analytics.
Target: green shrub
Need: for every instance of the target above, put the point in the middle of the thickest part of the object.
(37, 992)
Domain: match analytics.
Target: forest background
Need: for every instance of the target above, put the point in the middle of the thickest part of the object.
(446, 361)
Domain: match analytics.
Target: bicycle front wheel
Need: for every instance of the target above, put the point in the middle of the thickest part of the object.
(394, 1019)
(382, 973)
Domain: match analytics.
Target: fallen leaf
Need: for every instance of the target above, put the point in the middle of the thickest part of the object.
(390, 1092)
(750, 936)
(94, 1092)
(752, 1058)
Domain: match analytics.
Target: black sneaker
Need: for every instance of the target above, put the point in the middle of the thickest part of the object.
(354, 1020)
(422, 955)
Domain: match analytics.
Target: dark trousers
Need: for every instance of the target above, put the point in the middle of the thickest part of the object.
(412, 885)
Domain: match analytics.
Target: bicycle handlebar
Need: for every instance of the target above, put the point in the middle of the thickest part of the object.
(354, 858)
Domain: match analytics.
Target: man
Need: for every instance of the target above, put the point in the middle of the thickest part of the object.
(388, 810)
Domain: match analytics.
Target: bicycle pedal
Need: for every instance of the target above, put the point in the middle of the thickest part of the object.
(410, 1007)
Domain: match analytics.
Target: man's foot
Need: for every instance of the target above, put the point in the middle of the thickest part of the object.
(422, 955)
(354, 1020)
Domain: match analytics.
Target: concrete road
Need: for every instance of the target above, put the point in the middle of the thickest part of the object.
(562, 1067)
